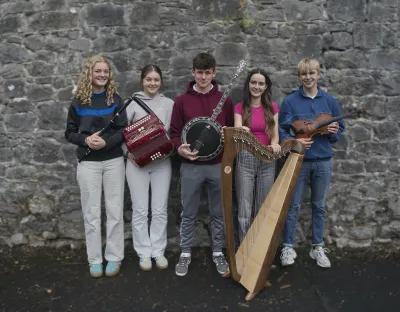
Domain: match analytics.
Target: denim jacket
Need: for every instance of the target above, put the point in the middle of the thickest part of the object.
(299, 106)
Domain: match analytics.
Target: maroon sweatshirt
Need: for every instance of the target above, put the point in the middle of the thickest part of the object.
(193, 104)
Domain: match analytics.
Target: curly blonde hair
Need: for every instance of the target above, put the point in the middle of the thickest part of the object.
(84, 88)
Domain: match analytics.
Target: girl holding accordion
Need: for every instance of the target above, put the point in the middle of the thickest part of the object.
(157, 175)
(254, 178)
(101, 162)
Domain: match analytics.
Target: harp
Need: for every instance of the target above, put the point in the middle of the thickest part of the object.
(251, 264)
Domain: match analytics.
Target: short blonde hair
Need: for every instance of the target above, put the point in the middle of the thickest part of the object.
(84, 89)
(307, 64)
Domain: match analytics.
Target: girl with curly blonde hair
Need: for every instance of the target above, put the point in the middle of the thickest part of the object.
(95, 103)
(85, 82)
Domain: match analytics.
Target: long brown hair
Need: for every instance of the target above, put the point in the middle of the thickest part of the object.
(84, 89)
(266, 101)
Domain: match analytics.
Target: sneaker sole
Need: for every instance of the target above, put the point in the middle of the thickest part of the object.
(111, 274)
(145, 269)
(162, 267)
(180, 274)
(96, 275)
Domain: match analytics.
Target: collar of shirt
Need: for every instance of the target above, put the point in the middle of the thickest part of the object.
(195, 89)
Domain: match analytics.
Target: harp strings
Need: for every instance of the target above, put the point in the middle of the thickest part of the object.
(246, 140)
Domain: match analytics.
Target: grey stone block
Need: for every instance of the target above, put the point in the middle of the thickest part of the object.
(9, 24)
(376, 164)
(382, 12)
(345, 60)
(22, 122)
(145, 13)
(20, 172)
(80, 45)
(367, 35)
(302, 11)
(300, 47)
(53, 20)
(359, 133)
(19, 239)
(14, 88)
(230, 53)
(109, 44)
(34, 42)
(54, 4)
(386, 130)
(391, 230)
(40, 68)
(46, 151)
(363, 232)
(39, 93)
(207, 11)
(341, 41)
(125, 61)
(14, 7)
(347, 10)
(49, 235)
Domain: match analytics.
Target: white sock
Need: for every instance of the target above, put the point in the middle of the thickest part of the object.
(186, 254)
(217, 253)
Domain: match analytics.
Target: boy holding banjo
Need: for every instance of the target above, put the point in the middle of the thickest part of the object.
(196, 124)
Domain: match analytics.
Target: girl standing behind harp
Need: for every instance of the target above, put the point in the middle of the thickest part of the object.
(259, 115)
(157, 175)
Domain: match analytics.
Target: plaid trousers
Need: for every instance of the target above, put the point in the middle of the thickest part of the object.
(254, 179)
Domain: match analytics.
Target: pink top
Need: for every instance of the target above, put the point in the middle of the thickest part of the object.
(258, 122)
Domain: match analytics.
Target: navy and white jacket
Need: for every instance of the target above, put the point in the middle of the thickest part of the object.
(299, 106)
(83, 120)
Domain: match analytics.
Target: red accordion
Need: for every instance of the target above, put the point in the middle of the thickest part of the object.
(146, 139)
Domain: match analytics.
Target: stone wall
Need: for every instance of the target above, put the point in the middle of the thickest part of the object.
(43, 44)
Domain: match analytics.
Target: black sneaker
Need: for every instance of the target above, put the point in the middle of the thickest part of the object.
(221, 264)
(182, 266)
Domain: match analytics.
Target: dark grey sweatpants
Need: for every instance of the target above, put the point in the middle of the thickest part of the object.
(192, 178)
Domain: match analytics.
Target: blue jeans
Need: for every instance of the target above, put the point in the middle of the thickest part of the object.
(318, 176)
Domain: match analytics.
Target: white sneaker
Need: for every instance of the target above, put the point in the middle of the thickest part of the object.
(161, 262)
(318, 254)
(145, 263)
(287, 256)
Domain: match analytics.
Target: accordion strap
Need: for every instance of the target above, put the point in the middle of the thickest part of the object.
(143, 105)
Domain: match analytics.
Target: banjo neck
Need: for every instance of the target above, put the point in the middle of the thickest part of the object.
(221, 102)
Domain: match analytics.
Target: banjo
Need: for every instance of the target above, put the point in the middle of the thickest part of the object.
(204, 133)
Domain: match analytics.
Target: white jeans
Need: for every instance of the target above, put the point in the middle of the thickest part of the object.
(92, 176)
(158, 176)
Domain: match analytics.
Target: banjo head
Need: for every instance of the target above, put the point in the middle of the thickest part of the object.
(212, 142)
